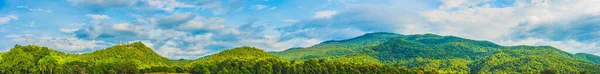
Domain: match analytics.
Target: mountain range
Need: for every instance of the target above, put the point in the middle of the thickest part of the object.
(370, 53)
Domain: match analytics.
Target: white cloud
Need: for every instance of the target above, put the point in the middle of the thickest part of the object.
(66, 30)
(104, 4)
(571, 46)
(97, 18)
(259, 7)
(36, 9)
(61, 43)
(167, 5)
(121, 26)
(289, 20)
(324, 14)
(171, 50)
(482, 21)
(447, 4)
(201, 23)
(476, 22)
(8, 19)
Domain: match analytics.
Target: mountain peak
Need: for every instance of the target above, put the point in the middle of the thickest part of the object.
(244, 51)
(367, 36)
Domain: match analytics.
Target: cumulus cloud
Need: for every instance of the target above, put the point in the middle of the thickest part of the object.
(66, 30)
(221, 7)
(355, 21)
(190, 23)
(324, 14)
(7, 19)
(119, 31)
(557, 23)
(572, 46)
(61, 43)
(100, 5)
(97, 18)
(167, 5)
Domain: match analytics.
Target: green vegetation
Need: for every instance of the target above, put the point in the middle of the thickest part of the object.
(448, 54)
(381, 53)
(249, 60)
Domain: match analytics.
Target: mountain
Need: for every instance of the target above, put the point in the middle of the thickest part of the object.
(373, 53)
(122, 58)
(244, 52)
(137, 52)
(448, 54)
(340, 48)
(250, 60)
(589, 57)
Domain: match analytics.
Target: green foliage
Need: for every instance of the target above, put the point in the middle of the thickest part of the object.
(375, 53)
(588, 57)
(447, 54)
(257, 61)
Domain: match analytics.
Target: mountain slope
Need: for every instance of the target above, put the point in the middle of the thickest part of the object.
(449, 54)
(589, 57)
(340, 48)
(123, 58)
(134, 52)
(245, 53)
(250, 60)
(520, 60)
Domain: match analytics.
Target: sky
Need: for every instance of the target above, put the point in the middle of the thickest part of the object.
(191, 29)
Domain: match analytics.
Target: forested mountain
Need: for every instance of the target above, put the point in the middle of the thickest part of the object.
(448, 54)
(386, 53)
(122, 58)
(250, 60)
(589, 57)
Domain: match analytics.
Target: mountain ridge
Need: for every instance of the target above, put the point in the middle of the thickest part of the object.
(431, 51)
(446, 54)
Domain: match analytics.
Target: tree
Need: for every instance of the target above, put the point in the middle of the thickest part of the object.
(47, 64)
(127, 67)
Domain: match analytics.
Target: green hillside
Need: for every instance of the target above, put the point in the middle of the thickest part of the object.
(373, 53)
(124, 58)
(448, 54)
(338, 49)
(589, 57)
(250, 60)
(135, 52)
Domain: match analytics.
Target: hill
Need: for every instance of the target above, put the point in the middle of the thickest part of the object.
(589, 57)
(250, 60)
(373, 53)
(448, 54)
(135, 52)
(245, 53)
(124, 58)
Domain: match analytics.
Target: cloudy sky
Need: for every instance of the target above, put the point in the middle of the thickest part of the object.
(194, 28)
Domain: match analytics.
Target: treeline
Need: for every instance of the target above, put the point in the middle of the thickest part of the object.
(312, 66)
(135, 58)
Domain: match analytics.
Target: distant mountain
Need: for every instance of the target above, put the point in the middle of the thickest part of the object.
(589, 57)
(449, 54)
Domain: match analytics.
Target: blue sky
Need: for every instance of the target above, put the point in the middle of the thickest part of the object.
(194, 28)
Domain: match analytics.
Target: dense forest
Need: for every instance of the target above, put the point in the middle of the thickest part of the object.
(382, 53)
